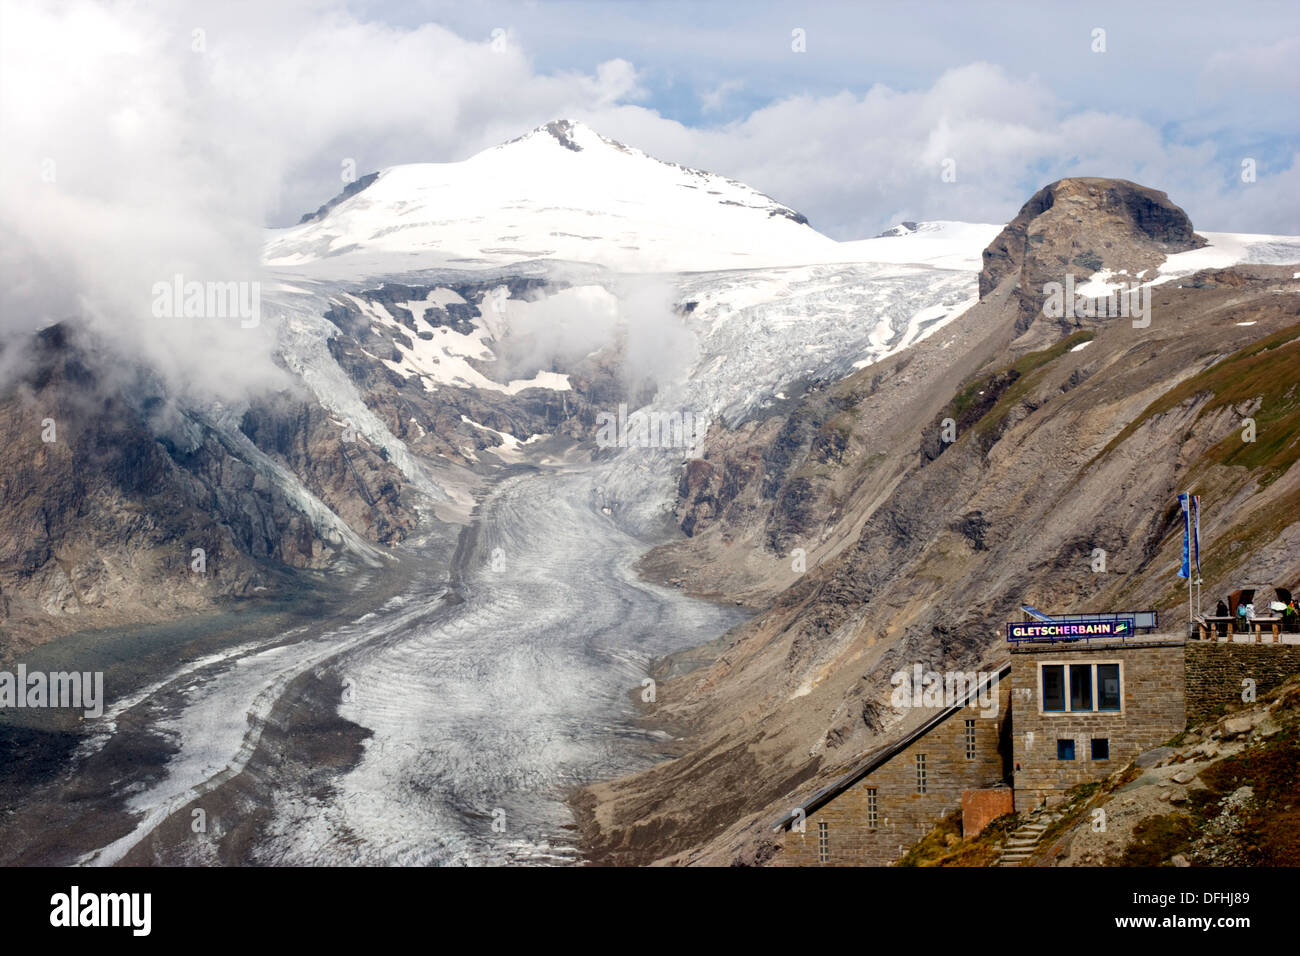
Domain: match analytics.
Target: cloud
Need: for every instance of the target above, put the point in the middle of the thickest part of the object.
(713, 100)
(146, 140)
(1267, 68)
(856, 163)
(634, 315)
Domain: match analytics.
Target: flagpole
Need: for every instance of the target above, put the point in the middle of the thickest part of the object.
(1196, 547)
(1187, 546)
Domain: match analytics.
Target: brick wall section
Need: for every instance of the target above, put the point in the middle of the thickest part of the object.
(979, 808)
(1215, 672)
(1152, 687)
(905, 816)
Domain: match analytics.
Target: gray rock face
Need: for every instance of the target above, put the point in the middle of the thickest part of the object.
(1080, 226)
(1238, 726)
(350, 190)
(1153, 757)
(103, 524)
(1059, 453)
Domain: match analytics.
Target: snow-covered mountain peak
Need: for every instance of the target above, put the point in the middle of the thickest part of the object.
(571, 135)
(564, 192)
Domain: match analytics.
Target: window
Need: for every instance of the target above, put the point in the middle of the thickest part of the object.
(970, 740)
(823, 842)
(1081, 687)
(1100, 748)
(1053, 687)
(1108, 687)
(920, 773)
(873, 809)
(1064, 749)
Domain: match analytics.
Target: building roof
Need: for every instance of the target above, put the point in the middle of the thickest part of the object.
(880, 756)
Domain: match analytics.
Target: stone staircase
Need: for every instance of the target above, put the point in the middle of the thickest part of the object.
(1020, 845)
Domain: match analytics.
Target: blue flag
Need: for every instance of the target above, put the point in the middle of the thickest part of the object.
(1186, 571)
(1196, 532)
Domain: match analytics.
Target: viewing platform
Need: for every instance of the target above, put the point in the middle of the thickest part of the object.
(1260, 630)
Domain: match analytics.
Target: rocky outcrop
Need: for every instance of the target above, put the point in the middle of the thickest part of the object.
(1078, 227)
(350, 190)
(454, 423)
(118, 505)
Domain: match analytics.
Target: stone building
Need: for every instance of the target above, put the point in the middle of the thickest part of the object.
(1068, 712)
(1082, 709)
(874, 814)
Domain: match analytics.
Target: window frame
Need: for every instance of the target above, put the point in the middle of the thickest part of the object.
(1065, 678)
(1119, 673)
(1089, 674)
(1042, 690)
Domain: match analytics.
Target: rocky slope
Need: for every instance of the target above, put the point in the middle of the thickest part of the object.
(1070, 439)
(1225, 793)
(1082, 226)
(99, 522)
(107, 487)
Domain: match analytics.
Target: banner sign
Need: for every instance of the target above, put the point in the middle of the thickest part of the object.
(1190, 506)
(1196, 533)
(1185, 571)
(1069, 631)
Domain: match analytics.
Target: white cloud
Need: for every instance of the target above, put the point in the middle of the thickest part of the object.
(715, 99)
(854, 163)
(169, 159)
(142, 141)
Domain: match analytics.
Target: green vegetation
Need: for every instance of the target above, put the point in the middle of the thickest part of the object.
(989, 400)
(1157, 839)
(1265, 369)
(1029, 370)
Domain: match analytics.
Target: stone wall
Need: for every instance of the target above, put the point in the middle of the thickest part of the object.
(904, 816)
(1215, 672)
(1152, 711)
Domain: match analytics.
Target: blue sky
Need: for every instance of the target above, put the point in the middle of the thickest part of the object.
(1214, 80)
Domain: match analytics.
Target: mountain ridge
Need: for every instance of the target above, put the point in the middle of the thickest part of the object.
(916, 546)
